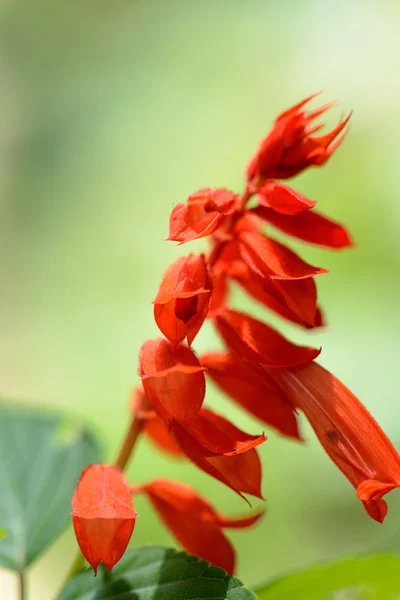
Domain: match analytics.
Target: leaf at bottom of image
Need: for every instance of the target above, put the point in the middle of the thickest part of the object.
(156, 573)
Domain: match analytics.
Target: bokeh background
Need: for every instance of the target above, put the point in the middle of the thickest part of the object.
(111, 113)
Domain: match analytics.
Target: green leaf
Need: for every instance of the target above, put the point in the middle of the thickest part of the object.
(41, 458)
(159, 574)
(3, 533)
(365, 578)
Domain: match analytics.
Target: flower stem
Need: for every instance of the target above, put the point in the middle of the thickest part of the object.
(21, 585)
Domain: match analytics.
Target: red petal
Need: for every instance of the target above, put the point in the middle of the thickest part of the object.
(283, 199)
(240, 522)
(346, 430)
(309, 226)
(258, 344)
(241, 472)
(269, 258)
(103, 515)
(193, 522)
(172, 379)
(256, 392)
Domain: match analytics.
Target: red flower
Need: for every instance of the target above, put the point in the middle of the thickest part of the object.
(205, 211)
(255, 391)
(349, 434)
(173, 380)
(183, 299)
(290, 147)
(309, 226)
(194, 522)
(269, 258)
(257, 344)
(103, 515)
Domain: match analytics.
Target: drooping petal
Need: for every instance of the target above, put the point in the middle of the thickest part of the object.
(103, 515)
(257, 344)
(283, 199)
(159, 435)
(348, 433)
(256, 392)
(173, 380)
(269, 258)
(309, 226)
(240, 472)
(204, 212)
(182, 302)
(295, 300)
(193, 521)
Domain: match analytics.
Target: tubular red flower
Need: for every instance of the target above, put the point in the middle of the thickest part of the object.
(309, 226)
(348, 433)
(290, 147)
(269, 258)
(205, 211)
(182, 302)
(194, 522)
(173, 380)
(257, 344)
(256, 392)
(103, 515)
(283, 199)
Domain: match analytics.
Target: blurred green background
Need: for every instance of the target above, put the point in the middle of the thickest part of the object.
(111, 113)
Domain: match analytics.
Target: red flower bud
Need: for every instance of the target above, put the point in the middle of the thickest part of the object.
(205, 211)
(290, 147)
(103, 515)
(183, 299)
(173, 380)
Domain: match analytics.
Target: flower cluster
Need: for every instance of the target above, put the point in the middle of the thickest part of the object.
(269, 376)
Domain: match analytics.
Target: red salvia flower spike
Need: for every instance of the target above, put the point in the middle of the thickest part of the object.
(290, 147)
(223, 451)
(256, 392)
(269, 258)
(173, 380)
(103, 515)
(193, 521)
(348, 433)
(283, 199)
(310, 226)
(204, 212)
(257, 344)
(182, 302)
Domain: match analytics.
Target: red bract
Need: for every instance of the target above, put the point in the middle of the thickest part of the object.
(346, 430)
(194, 522)
(205, 210)
(309, 226)
(255, 391)
(257, 344)
(183, 299)
(290, 147)
(283, 199)
(103, 515)
(173, 380)
(269, 258)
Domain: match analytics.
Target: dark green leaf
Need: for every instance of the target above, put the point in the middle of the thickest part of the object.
(157, 574)
(41, 457)
(365, 578)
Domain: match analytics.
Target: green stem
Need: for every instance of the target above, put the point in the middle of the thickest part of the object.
(21, 585)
